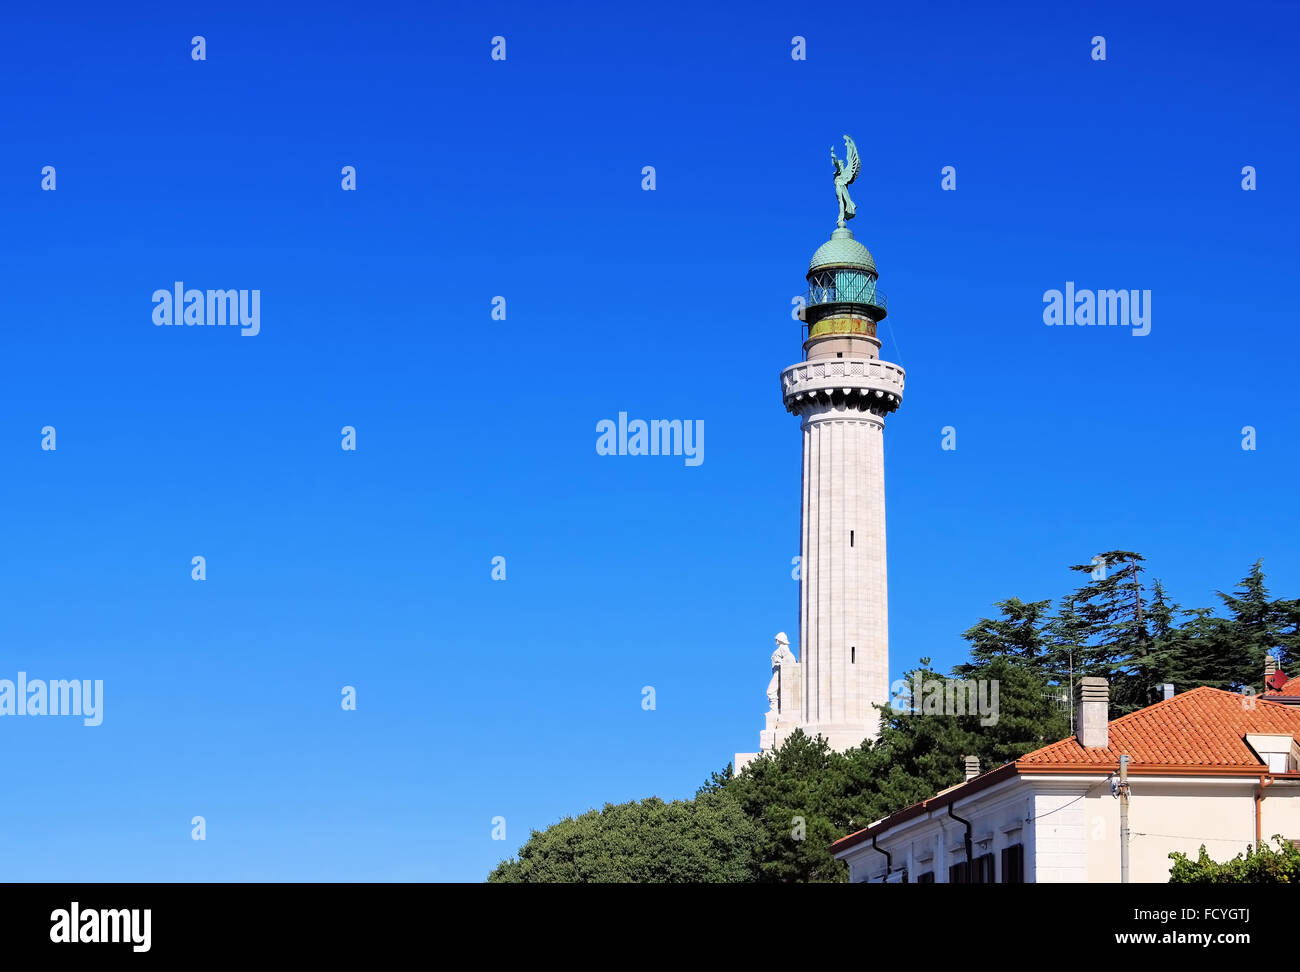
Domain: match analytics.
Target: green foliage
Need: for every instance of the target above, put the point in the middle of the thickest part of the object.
(918, 754)
(800, 799)
(1223, 652)
(1118, 643)
(708, 839)
(1263, 865)
(1116, 627)
(1020, 634)
(1254, 629)
(775, 822)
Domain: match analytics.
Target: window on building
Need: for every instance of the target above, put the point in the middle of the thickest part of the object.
(1013, 864)
(853, 654)
(978, 871)
(926, 878)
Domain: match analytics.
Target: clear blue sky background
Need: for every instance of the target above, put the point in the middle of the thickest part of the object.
(476, 438)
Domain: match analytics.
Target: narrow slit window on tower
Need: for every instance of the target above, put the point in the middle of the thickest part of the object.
(853, 655)
(850, 538)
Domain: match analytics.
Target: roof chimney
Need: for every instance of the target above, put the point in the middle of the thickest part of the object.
(1092, 699)
(1166, 690)
(972, 766)
(1274, 677)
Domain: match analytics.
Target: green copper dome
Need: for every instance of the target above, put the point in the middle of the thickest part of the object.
(842, 250)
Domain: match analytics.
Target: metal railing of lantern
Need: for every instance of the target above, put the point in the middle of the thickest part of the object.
(864, 293)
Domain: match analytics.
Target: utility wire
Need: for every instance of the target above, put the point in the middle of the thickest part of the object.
(1085, 793)
(1226, 840)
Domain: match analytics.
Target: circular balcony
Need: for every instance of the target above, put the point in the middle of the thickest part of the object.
(867, 383)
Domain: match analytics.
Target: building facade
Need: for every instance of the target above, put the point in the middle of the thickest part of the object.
(1206, 767)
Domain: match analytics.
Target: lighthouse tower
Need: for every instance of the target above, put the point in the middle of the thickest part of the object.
(842, 392)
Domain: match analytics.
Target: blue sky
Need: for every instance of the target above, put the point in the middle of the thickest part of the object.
(522, 179)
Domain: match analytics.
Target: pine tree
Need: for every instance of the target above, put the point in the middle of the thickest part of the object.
(1288, 639)
(1166, 656)
(1254, 629)
(1190, 654)
(800, 801)
(1161, 613)
(1063, 661)
(917, 754)
(1019, 634)
(1112, 607)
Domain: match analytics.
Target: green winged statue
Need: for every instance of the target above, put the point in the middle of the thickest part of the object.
(845, 173)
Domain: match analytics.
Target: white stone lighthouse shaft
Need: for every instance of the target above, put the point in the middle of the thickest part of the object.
(843, 590)
(844, 603)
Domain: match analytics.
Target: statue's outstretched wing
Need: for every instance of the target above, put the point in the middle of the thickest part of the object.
(853, 163)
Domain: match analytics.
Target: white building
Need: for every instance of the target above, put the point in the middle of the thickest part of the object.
(1205, 767)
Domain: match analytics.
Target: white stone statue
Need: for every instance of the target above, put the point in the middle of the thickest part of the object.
(780, 658)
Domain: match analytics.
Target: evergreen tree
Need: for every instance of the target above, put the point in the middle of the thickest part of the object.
(1254, 629)
(1168, 655)
(1019, 634)
(1288, 639)
(1161, 614)
(1066, 636)
(919, 753)
(1204, 651)
(1112, 607)
(1030, 714)
(800, 802)
(916, 754)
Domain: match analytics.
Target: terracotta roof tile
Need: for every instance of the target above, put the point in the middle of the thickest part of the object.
(1203, 727)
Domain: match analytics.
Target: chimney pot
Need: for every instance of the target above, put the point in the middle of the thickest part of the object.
(1167, 690)
(972, 766)
(1092, 698)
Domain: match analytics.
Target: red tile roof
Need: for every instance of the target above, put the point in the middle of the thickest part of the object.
(1202, 729)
